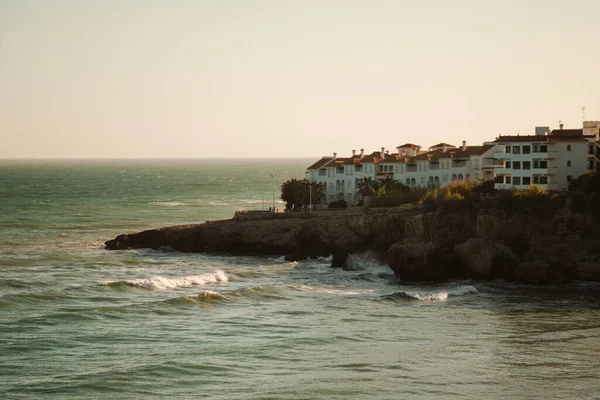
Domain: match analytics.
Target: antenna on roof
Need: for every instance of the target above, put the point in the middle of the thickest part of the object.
(583, 113)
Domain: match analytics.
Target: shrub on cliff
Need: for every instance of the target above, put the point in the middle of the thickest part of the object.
(586, 183)
(338, 204)
(397, 199)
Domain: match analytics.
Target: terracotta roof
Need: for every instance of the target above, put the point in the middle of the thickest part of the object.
(442, 145)
(374, 157)
(343, 161)
(540, 138)
(428, 156)
(412, 146)
(570, 132)
(321, 163)
(472, 151)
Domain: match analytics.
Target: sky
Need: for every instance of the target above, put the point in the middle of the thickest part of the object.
(279, 78)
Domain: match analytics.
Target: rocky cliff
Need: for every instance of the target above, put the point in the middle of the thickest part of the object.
(418, 245)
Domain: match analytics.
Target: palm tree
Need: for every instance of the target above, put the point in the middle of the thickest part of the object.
(317, 192)
(292, 192)
(365, 186)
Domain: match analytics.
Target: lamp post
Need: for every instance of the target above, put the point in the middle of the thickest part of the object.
(309, 192)
(273, 188)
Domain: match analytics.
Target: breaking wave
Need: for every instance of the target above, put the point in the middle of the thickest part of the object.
(162, 283)
(329, 290)
(254, 293)
(441, 295)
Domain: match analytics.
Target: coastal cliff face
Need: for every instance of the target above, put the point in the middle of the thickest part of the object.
(418, 245)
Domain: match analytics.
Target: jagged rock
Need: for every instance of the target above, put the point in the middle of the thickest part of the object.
(588, 271)
(418, 262)
(532, 272)
(485, 245)
(483, 259)
(339, 260)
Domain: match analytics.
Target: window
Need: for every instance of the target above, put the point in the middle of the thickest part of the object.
(526, 164)
(568, 163)
(516, 180)
(544, 148)
(526, 180)
(540, 164)
(591, 149)
(516, 164)
(569, 177)
(526, 149)
(568, 147)
(507, 179)
(507, 164)
(543, 180)
(508, 149)
(516, 150)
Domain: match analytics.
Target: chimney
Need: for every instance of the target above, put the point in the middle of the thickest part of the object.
(353, 153)
(464, 146)
(444, 147)
(382, 152)
(418, 149)
(561, 126)
(334, 155)
(387, 152)
(362, 153)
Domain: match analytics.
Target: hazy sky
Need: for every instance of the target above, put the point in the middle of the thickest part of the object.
(128, 78)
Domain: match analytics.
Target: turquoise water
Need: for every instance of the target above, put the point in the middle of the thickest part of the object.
(81, 322)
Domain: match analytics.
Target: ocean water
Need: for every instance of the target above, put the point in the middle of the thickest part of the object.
(77, 321)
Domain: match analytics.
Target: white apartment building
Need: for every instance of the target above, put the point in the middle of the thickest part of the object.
(548, 159)
(443, 163)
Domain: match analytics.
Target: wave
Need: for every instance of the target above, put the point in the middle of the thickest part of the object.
(253, 293)
(329, 290)
(162, 283)
(441, 295)
(169, 203)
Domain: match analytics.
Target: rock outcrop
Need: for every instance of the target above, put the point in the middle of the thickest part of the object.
(484, 259)
(418, 262)
(418, 245)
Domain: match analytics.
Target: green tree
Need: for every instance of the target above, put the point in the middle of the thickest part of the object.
(365, 186)
(292, 192)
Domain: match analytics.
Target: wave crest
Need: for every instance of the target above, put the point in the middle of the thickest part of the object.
(162, 283)
(441, 295)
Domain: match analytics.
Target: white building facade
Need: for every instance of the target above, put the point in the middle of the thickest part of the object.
(548, 159)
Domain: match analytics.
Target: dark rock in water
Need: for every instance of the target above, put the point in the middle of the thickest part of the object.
(339, 260)
(484, 259)
(418, 262)
(532, 272)
(589, 271)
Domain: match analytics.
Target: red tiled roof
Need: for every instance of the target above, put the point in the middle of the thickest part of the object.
(321, 163)
(412, 146)
(442, 145)
(569, 132)
(539, 138)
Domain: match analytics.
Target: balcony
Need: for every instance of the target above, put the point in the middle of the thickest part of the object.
(502, 155)
(545, 154)
(550, 170)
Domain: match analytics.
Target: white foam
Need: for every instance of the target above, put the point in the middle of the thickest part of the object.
(306, 288)
(161, 283)
(441, 295)
(169, 203)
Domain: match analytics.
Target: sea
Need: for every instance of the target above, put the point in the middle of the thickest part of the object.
(80, 322)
